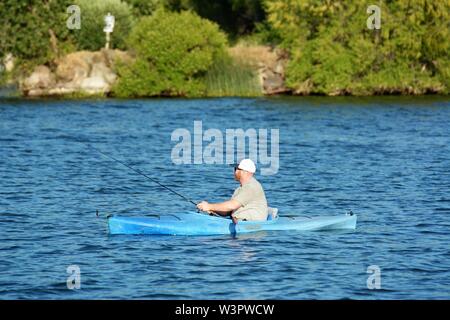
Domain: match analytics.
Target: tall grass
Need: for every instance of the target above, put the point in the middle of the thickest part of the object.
(232, 77)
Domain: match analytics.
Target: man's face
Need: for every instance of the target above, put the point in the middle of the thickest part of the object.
(237, 173)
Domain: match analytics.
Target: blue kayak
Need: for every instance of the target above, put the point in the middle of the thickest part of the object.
(203, 224)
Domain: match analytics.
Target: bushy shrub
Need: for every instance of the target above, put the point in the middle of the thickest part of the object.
(173, 52)
(91, 35)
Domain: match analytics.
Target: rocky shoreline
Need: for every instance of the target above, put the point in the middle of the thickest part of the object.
(82, 72)
(91, 73)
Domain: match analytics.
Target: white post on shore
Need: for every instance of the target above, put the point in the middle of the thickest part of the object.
(108, 29)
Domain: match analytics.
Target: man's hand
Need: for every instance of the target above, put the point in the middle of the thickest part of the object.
(204, 206)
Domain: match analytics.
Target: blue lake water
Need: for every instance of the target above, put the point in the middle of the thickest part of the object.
(387, 159)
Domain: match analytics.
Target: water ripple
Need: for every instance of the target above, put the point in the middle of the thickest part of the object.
(385, 159)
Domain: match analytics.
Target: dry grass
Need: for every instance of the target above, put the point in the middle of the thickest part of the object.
(239, 74)
(255, 55)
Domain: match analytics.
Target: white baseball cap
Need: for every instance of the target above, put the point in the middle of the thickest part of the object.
(247, 165)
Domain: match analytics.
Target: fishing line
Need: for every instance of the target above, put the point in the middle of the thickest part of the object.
(141, 173)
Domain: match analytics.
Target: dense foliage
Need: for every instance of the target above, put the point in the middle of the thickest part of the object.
(333, 51)
(173, 52)
(91, 35)
(145, 7)
(29, 27)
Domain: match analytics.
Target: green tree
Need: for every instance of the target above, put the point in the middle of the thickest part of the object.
(173, 52)
(33, 30)
(145, 7)
(333, 52)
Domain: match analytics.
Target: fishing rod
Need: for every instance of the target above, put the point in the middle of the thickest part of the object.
(141, 173)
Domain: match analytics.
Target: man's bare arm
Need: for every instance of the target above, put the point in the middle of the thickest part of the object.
(222, 208)
(226, 206)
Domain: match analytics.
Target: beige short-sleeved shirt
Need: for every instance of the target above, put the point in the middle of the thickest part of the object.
(253, 200)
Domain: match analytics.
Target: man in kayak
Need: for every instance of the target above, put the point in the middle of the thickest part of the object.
(248, 201)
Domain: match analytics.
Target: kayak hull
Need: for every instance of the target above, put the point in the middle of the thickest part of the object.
(202, 224)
